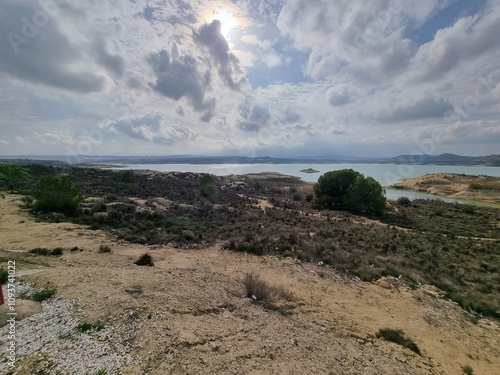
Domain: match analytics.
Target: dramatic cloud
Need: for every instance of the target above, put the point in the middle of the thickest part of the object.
(34, 49)
(181, 78)
(298, 77)
(209, 35)
(151, 127)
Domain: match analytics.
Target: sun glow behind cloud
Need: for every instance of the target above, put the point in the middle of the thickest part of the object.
(228, 22)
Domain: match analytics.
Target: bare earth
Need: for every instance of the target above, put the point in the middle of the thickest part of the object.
(455, 186)
(194, 318)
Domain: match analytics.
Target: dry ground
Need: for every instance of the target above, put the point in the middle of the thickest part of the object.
(195, 320)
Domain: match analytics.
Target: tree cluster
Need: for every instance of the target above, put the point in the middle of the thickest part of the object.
(349, 190)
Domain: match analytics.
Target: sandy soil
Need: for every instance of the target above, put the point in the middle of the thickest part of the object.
(454, 186)
(195, 319)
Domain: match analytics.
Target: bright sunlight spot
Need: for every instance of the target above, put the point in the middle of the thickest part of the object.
(228, 22)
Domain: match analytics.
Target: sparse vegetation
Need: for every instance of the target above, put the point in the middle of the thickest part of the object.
(397, 336)
(43, 294)
(104, 249)
(261, 291)
(43, 251)
(145, 260)
(454, 249)
(468, 370)
(90, 327)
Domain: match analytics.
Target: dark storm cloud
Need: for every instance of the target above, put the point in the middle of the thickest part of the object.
(34, 49)
(180, 78)
(425, 108)
(209, 36)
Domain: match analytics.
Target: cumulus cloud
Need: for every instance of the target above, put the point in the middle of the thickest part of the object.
(425, 108)
(55, 137)
(153, 128)
(254, 117)
(182, 77)
(35, 49)
(339, 96)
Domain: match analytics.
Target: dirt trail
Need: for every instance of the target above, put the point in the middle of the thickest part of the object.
(195, 320)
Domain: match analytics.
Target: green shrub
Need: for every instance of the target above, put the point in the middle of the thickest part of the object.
(128, 176)
(309, 197)
(397, 336)
(404, 201)
(102, 372)
(208, 187)
(104, 249)
(57, 194)
(468, 370)
(89, 327)
(297, 196)
(145, 260)
(43, 294)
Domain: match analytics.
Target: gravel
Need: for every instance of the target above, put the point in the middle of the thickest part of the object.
(53, 344)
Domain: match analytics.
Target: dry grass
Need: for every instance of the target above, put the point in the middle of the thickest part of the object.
(270, 296)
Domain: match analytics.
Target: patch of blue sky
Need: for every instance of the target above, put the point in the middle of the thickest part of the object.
(444, 18)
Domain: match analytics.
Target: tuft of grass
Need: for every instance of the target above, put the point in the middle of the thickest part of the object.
(104, 249)
(89, 327)
(43, 294)
(102, 372)
(397, 336)
(261, 291)
(145, 260)
(468, 370)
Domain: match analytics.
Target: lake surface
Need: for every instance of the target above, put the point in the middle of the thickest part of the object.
(385, 174)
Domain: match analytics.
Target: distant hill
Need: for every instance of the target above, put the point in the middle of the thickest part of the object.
(443, 159)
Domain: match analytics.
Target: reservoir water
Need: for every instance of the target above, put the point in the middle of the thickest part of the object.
(385, 174)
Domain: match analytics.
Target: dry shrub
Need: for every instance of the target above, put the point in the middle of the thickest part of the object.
(271, 296)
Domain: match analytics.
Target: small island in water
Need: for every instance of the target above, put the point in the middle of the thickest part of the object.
(309, 170)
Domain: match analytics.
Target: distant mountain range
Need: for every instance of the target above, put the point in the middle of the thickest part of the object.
(443, 159)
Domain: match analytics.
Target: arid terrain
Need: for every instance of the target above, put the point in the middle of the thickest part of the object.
(189, 313)
(478, 188)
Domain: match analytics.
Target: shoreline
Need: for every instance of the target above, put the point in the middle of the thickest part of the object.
(479, 190)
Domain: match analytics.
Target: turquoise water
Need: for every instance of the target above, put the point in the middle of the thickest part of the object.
(385, 174)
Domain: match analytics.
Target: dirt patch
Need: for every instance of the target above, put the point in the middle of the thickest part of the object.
(194, 317)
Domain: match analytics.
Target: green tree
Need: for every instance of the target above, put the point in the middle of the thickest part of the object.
(9, 174)
(332, 187)
(349, 190)
(57, 194)
(208, 186)
(365, 195)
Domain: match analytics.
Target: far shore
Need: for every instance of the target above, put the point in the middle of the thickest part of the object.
(484, 189)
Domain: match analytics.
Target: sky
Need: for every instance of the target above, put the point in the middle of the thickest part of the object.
(249, 77)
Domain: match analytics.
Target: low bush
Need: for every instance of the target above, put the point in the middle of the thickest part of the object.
(468, 370)
(397, 336)
(89, 327)
(104, 249)
(145, 260)
(404, 201)
(261, 291)
(43, 251)
(43, 294)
